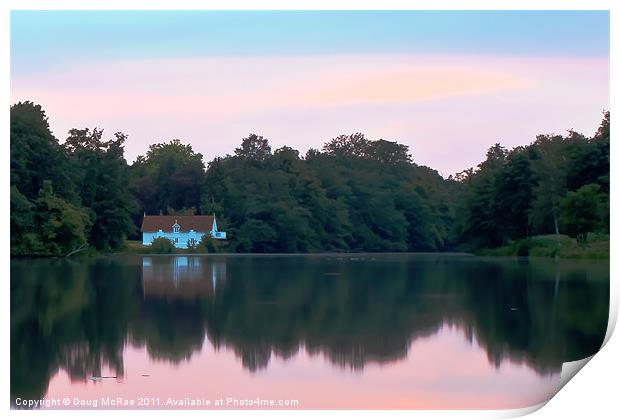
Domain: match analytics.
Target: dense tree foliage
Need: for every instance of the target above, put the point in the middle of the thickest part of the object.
(36, 155)
(355, 194)
(47, 226)
(102, 176)
(65, 197)
(555, 185)
(169, 177)
(580, 211)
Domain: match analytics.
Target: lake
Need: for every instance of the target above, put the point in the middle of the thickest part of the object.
(315, 331)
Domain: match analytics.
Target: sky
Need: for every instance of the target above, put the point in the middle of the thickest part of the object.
(449, 84)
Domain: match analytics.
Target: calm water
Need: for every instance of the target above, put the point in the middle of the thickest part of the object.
(365, 331)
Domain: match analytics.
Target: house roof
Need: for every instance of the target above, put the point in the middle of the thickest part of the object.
(186, 223)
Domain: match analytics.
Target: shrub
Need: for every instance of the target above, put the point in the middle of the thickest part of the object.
(162, 246)
(208, 244)
(523, 248)
(192, 247)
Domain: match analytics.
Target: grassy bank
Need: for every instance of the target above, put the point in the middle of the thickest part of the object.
(597, 247)
(136, 247)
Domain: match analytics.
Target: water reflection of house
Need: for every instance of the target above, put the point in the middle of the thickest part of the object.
(181, 277)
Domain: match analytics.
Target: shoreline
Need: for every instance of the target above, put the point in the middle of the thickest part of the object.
(360, 255)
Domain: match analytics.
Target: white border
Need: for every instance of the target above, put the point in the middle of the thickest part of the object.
(311, 5)
(593, 393)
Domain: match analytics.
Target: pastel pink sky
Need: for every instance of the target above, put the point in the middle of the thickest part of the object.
(448, 108)
(442, 371)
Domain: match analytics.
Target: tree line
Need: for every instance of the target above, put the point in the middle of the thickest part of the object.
(355, 194)
(557, 184)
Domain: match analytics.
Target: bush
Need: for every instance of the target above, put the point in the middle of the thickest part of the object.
(162, 246)
(192, 248)
(547, 246)
(523, 248)
(208, 244)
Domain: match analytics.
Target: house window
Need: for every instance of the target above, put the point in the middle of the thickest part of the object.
(176, 228)
(176, 240)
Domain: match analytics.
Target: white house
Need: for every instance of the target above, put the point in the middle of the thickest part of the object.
(180, 230)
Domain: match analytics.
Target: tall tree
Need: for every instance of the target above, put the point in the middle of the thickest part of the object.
(103, 181)
(549, 166)
(389, 152)
(254, 147)
(353, 145)
(513, 195)
(36, 155)
(482, 225)
(171, 175)
(580, 211)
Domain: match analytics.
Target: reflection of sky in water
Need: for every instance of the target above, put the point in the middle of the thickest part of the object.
(335, 331)
(444, 370)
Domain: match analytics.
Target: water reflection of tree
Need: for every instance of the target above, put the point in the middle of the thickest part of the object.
(77, 316)
(170, 330)
(67, 315)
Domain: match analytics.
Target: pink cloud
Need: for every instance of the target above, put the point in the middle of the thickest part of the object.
(304, 101)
